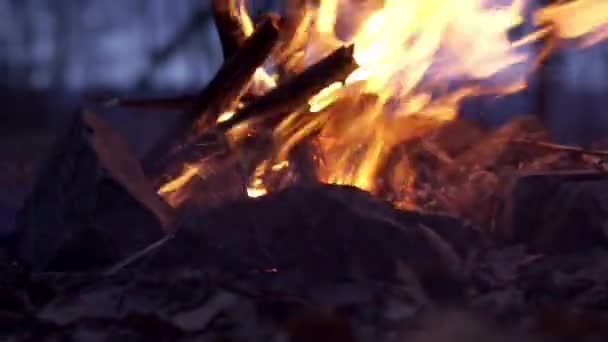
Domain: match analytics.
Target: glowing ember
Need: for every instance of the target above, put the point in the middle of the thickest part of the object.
(324, 98)
(418, 59)
(225, 116)
(262, 82)
(256, 189)
(174, 185)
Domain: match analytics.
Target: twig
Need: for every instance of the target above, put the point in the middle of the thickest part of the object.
(436, 151)
(138, 255)
(563, 148)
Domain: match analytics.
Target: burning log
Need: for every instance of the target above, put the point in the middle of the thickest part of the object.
(227, 86)
(284, 99)
(220, 177)
(68, 192)
(296, 92)
(229, 27)
(220, 95)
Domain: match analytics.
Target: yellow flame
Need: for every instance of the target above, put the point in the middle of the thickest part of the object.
(327, 16)
(397, 47)
(256, 189)
(246, 22)
(324, 98)
(408, 52)
(225, 116)
(280, 166)
(417, 60)
(262, 82)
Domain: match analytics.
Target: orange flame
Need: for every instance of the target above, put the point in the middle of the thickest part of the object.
(418, 59)
(408, 51)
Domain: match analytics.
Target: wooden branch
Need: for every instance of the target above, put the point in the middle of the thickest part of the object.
(295, 93)
(137, 255)
(220, 95)
(229, 28)
(561, 148)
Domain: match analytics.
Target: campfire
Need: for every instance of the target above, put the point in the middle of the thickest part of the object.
(331, 145)
(342, 98)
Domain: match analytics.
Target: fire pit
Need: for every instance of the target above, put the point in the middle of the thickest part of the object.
(323, 187)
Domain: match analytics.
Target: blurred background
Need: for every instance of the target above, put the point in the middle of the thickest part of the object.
(120, 45)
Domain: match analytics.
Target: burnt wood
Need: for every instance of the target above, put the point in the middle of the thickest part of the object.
(295, 93)
(220, 95)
